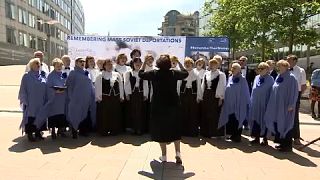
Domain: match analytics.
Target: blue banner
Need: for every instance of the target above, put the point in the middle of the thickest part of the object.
(207, 47)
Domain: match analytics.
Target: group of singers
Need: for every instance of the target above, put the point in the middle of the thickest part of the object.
(167, 100)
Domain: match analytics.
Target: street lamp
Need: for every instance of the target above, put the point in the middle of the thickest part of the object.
(50, 23)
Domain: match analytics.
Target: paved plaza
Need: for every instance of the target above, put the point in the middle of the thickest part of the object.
(135, 157)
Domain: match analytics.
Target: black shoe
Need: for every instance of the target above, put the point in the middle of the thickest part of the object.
(285, 149)
(31, 138)
(278, 146)
(61, 132)
(53, 135)
(255, 141)
(264, 142)
(313, 116)
(74, 134)
(236, 139)
(178, 160)
(39, 135)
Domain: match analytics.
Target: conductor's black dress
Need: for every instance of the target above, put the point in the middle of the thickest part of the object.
(164, 123)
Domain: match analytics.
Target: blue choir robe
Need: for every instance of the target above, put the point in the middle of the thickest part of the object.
(284, 95)
(236, 101)
(32, 96)
(80, 96)
(261, 89)
(56, 104)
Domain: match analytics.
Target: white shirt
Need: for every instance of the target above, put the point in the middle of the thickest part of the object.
(67, 70)
(191, 77)
(112, 76)
(93, 74)
(44, 67)
(244, 72)
(200, 73)
(300, 76)
(210, 75)
(127, 83)
(122, 69)
(146, 93)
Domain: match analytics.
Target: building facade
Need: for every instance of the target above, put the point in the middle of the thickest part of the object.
(177, 24)
(30, 25)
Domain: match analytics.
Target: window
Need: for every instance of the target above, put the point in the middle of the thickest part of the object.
(32, 42)
(32, 20)
(39, 24)
(41, 44)
(11, 37)
(23, 16)
(23, 39)
(10, 10)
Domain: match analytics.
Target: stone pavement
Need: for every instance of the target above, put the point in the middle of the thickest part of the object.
(135, 157)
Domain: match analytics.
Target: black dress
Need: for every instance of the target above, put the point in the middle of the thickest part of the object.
(109, 109)
(136, 106)
(189, 109)
(165, 126)
(210, 111)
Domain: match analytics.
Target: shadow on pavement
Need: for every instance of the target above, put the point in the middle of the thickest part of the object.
(193, 141)
(167, 170)
(48, 146)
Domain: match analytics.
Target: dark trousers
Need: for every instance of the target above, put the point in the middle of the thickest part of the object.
(256, 131)
(296, 125)
(284, 142)
(86, 125)
(232, 127)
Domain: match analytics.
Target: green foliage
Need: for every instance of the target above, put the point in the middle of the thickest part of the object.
(258, 24)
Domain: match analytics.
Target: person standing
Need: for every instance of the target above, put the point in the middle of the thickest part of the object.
(200, 69)
(109, 95)
(43, 66)
(66, 64)
(258, 103)
(189, 90)
(122, 68)
(272, 70)
(315, 92)
(300, 76)
(236, 104)
(32, 96)
(80, 94)
(91, 68)
(56, 95)
(212, 92)
(165, 125)
(280, 112)
(248, 74)
(135, 88)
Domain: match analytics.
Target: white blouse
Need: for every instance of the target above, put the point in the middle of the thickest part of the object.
(127, 83)
(113, 77)
(191, 77)
(122, 69)
(200, 73)
(93, 74)
(210, 75)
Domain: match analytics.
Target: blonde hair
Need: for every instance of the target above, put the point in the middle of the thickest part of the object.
(65, 57)
(243, 58)
(201, 60)
(121, 56)
(214, 61)
(218, 58)
(283, 63)
(149, 56)
(263, 65)
(56, 61)
(188, 60)
(174, 59)
(270, 62)
(32, 62)
(236, 65)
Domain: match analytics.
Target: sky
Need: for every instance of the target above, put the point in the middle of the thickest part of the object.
(132, 17)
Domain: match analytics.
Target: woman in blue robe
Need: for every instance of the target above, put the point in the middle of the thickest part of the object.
(259, 99)
(279, 116)
(80, 95)
(236, 104)
(32, 96)
(56, 96)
